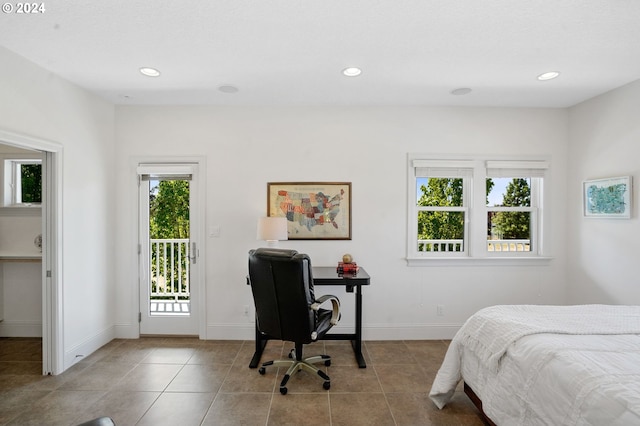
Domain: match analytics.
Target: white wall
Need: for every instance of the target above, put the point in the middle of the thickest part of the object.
(37, 103)
(603, 253)
(247, 147)
(20, 284)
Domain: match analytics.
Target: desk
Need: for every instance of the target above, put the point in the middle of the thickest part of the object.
(327, 275)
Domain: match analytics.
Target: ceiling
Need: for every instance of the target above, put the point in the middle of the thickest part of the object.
(292, 52)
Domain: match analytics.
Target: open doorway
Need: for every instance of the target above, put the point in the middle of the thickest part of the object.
(25, 210)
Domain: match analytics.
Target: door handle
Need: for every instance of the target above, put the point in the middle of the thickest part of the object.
(194, 253)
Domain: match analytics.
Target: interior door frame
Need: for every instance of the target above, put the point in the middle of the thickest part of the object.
(198, 268)
(52, 255)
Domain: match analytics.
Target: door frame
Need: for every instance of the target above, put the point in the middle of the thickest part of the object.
(52, 254)
(200, 174)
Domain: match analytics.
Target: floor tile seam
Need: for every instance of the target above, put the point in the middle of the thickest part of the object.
(245, 393)
(172, 378)
(375, 371)
(149, 407)
(394, 363)
(270, 406)
(219, 387)
(238, 353)
(386, 400)
(329, 405)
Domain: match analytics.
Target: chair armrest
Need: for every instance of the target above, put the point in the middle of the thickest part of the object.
(335, 302)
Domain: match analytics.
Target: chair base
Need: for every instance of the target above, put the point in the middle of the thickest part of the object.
(294, 365)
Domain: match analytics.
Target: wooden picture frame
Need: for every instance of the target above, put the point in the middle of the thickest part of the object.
(314, 210)
(607, 198)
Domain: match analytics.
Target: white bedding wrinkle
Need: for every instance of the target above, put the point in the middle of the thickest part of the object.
(548, 365)
(490, 331)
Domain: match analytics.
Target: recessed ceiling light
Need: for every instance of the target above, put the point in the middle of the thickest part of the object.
(548, 75)
(352, 71)
(227, 88)
(150, 72)
(461, 91)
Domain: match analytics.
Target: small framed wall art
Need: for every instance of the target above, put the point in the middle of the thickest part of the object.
(607, 198)
(314, 210)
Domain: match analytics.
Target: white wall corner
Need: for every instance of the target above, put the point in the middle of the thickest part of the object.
(88, 346)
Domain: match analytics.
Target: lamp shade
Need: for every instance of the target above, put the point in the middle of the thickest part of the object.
(272, 228)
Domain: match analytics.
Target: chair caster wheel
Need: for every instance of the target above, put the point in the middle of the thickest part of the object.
(326, 385)
(262, 370)
(291, 353)
(283, 390)
(327, 363)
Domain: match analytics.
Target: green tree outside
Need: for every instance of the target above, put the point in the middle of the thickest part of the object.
(514, 225)
(449, 225)
(31, 182)
(441, 225)
(443, 192)
(169, 209)
(169, 219)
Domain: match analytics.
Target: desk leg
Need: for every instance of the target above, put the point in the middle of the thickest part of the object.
(357, 343)
(261, 342)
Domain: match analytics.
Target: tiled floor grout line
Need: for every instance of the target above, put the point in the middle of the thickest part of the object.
(198, 359)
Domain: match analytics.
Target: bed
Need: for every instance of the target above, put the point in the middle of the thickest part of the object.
(547, 365)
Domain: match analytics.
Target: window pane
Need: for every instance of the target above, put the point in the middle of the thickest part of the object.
(31, 183)
(509, 192)
(441, 192)
(509, 231)
(440, 231)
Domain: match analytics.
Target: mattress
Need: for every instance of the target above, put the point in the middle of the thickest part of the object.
(534, 365)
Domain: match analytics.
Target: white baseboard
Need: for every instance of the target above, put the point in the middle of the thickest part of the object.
(410, 331)
(246, 331)
(369, 332)
(127, 331)
(88, 346)
(20, 328)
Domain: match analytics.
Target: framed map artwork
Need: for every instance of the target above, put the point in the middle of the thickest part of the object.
(314, 210)
(608, 198)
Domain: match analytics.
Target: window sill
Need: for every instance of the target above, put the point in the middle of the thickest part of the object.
(21, 211)
(480, 261)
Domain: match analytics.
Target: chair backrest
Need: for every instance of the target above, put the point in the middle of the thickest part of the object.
(282, 286)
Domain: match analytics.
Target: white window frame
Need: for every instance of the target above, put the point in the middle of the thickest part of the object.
(461, 169)
(476, 210)
(11, 179)
(534, 171)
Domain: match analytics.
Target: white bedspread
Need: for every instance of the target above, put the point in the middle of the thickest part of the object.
(578, 364)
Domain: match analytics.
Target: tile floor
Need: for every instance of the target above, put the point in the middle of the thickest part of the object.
(186, 381)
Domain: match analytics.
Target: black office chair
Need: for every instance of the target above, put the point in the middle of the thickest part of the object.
(286, 308)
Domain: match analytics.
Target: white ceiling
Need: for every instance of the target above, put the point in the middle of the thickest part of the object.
(291, 52)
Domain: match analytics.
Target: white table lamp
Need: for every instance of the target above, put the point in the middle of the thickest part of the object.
(272, 230)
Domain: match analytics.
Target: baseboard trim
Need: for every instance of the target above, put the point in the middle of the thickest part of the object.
(88, 346)
(20, 328)
(127, 331)
(370, 332)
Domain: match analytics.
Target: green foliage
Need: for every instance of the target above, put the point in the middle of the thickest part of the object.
(514, 225)
(448, 192)
(441, 225)
(169, 218)
(31, 180)
(169, 209)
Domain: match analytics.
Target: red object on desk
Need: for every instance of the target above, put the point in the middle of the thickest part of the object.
(347, 268)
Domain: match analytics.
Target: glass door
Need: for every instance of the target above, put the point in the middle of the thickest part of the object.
(168, 250)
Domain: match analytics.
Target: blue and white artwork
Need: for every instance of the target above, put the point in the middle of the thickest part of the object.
(608, 197)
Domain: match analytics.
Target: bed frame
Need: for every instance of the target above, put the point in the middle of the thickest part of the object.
(478, 403)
